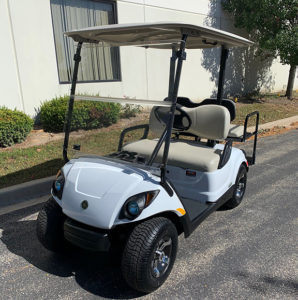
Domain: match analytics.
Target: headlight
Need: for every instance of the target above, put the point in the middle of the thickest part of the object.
(133, 207)
(58, 184)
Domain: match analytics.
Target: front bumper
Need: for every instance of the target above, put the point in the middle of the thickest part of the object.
(85, 236)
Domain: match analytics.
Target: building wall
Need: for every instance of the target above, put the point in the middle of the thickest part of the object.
(30, 76)
(11, 94)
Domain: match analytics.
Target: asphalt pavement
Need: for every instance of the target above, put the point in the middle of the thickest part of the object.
(250, 252)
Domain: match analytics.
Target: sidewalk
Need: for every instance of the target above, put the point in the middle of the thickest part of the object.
(278, 123)
(22, 195)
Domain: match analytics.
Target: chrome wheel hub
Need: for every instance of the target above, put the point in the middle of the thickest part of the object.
(240, 187)
(161, 258)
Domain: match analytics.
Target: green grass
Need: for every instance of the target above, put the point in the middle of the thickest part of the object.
(21, 165)
(268, 112)
(277, 95)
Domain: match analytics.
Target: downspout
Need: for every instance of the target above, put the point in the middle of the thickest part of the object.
(15, 57)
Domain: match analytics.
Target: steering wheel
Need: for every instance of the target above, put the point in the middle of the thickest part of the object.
(182, 120)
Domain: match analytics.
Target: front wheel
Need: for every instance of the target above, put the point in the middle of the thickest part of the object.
(49, 227)
(239, 190)
(149, 254)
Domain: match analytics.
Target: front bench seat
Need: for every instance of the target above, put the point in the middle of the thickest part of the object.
(207, 121)
(183, 154)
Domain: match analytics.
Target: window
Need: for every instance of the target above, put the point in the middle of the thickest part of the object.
(98, 63)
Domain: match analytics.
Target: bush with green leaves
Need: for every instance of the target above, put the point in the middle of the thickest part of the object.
(14, 126)
(86, 114)
(130, 110)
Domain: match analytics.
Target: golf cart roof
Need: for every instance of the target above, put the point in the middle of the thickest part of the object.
(158, 35)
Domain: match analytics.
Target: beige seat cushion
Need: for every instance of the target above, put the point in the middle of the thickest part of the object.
(208, 121)
(236, 131)
(184, 154)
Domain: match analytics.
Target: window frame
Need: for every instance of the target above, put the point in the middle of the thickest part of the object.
(115, 12)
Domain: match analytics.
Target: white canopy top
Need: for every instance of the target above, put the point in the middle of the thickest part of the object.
(158, 35)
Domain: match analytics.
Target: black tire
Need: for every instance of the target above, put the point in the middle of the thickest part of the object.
(49, 226)
(239, 190)
(141, 266)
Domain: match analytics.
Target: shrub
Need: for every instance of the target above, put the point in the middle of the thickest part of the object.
(85, 115)
(130, 110)
(14, 126)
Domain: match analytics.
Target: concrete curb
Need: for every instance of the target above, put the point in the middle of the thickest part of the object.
(283, 122)
(14, 196)
(25, 191)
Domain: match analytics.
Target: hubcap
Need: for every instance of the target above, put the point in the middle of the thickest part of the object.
(240, 187)
(161, 258)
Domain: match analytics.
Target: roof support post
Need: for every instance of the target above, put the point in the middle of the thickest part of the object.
(181, 55)
(221, 78)
(172, 71)
(171, 87)
(67, 124)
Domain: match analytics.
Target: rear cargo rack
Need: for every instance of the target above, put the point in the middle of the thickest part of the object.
(246, 135)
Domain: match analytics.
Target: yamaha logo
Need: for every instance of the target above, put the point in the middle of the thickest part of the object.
(84, 204)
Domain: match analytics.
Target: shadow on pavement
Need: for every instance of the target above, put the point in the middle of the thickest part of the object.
(94, 272)
(264, 284)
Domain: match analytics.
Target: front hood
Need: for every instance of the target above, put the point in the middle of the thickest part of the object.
(105, 186)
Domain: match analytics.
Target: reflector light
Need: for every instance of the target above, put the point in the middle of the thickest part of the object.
(191, 173)
(182, 211)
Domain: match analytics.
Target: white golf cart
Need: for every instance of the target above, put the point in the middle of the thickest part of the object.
(143, 196)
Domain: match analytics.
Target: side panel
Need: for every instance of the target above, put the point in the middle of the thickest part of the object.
(207, 186)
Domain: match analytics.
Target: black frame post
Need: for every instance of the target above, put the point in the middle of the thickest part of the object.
(221, 78)
(171, 87)
(67, 124)
(181, 55)
(172, 71)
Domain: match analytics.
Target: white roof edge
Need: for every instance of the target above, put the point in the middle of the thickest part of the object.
(156, 34)
(124, 100)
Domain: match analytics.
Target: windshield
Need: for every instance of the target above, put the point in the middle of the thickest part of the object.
(150, 146)
(125, 132)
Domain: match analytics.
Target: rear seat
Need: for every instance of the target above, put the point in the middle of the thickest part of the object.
(236, 131)
(208, 121)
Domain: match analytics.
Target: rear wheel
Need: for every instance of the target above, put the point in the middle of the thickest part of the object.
(49, 227)
(239, 190)
(149, 254)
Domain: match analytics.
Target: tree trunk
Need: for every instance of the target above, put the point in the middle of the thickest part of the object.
(291, 80)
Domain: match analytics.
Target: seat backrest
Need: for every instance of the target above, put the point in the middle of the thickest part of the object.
(206, 121)
(229, 104)
(209, 121)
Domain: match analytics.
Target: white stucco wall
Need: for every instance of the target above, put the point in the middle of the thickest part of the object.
(30, 76)
(11, 94)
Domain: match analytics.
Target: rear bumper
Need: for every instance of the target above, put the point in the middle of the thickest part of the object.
(85, 236)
